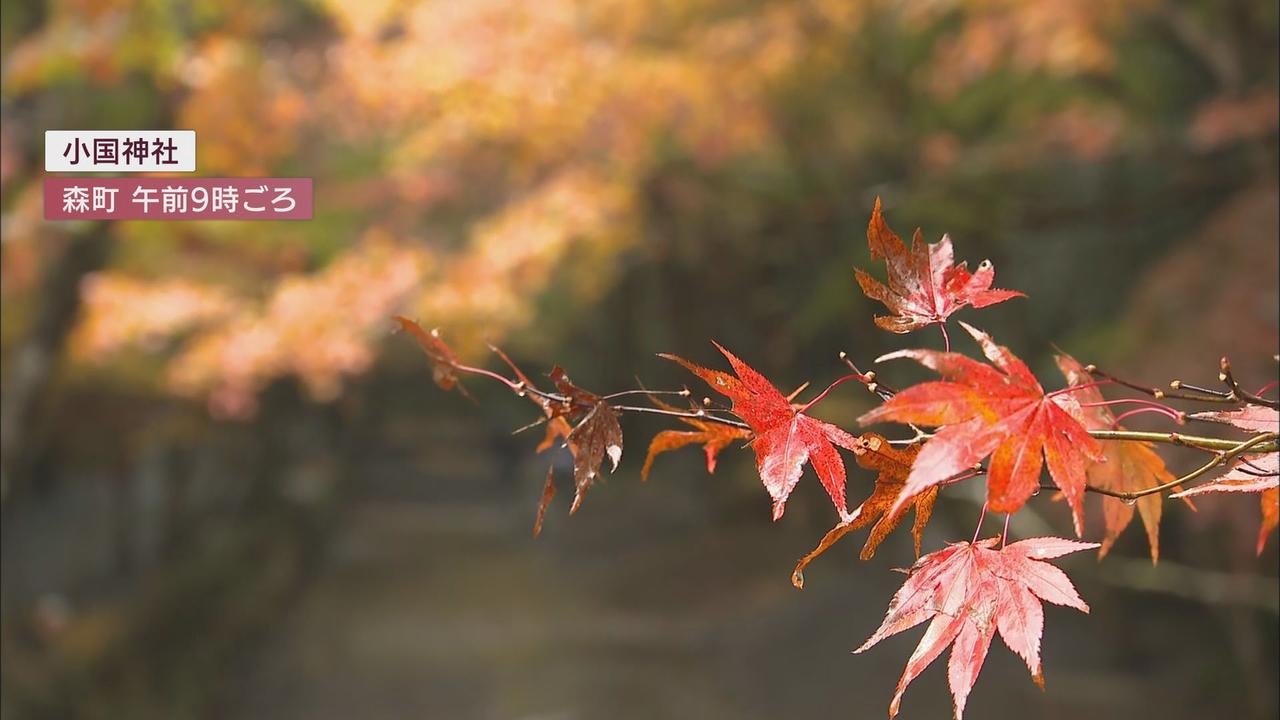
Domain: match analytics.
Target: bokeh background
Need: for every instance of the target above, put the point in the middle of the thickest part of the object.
(229, 491)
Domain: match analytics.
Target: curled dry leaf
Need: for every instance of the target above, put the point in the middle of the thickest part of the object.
(1001, 411)
(557, 428)
(444, 363)
(894, 466)
(925, 285)
(1250, 474)
(713, 437)
(875, 453)
(1129, 466)
(784, 439)
(597, 434)
(971, 591)
(548, 492)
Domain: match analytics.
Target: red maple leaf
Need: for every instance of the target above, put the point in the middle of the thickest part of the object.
(784, 438)
(1000, 411)
(925, 285)
(1130, 466)
(971, 592)
(1256, 474)
(1270, 502)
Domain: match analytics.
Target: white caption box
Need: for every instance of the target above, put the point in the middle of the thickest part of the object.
(120, 150)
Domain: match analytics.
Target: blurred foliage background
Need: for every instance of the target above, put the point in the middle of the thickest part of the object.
(229, 491)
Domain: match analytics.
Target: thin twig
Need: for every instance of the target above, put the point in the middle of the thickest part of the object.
(1226, 377)
(624, 393)
(521, 387)
(839, 381)
(695, 415)
(1076, 388)
(978, 530)
(1174, 393)
(1223, 396)
(531, 425)
(869, 379)
(1198, 442)
(1178, 417)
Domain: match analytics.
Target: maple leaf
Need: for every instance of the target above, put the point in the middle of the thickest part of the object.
(1000, 411)
(1250, 474)
(1128, 466)
(894, 466)
(557, 427)
(713, 437)
(875, 453)
(548, 492)
(1254, 418)
(1270, 502)
(971, 592)
(596, 434)
(925, 285)
(443, 362)
(784, 438)
(1256, 474)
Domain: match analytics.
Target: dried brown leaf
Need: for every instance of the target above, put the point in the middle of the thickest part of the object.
(548, 492)
(873, 452)
(557, 426)
(713, 436)
(443, 362)
(894, 466)
(596, 435)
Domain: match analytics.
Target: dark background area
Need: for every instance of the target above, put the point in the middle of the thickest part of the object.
(229, 491)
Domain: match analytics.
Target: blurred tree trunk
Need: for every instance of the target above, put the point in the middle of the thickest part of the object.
(31, 366)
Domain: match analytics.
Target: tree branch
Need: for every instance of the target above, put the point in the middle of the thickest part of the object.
(1192, 441)
(1258, 443)
(1177, 389)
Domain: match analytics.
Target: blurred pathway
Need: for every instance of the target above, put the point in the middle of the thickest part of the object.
(434, 602)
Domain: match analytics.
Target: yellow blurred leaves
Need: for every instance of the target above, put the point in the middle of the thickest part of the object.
(1054, 36)
(567, 227)
(244, 109)
(318, 327)
(121, 311)
(498, 146)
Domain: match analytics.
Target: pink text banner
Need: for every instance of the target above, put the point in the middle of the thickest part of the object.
(172, 198)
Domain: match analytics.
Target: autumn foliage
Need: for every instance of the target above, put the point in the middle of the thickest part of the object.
(925, 285)
(991, 420)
